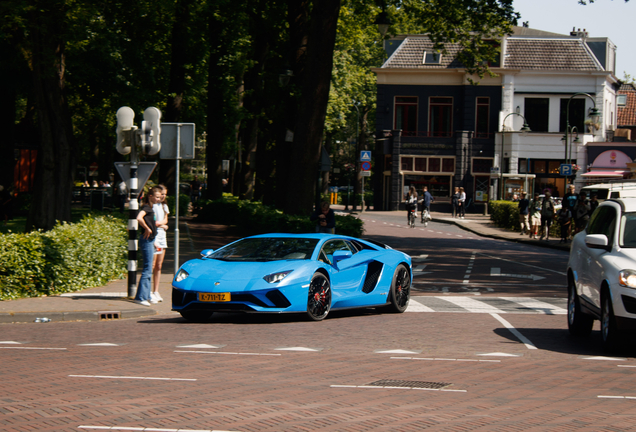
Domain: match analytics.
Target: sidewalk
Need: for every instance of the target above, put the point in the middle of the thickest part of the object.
(111, 302)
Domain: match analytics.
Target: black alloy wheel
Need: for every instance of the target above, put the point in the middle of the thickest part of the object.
(319, 298)
(400, 290)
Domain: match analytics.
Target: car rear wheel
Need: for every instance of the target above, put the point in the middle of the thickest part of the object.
(400, 290)
(579, 324)
(319, 299)
(196, 315)
(609, 332)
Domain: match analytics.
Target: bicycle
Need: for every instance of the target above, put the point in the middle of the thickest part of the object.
(412, 216)
(426, 216)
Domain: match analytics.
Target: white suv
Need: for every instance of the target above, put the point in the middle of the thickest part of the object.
(602, 273)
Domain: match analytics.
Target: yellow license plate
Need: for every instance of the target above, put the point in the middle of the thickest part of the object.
(214, 297)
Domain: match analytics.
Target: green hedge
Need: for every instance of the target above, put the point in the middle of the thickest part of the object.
(255, 218)
(70, 257)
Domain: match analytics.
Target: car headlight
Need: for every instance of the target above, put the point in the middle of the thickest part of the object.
(276, 277)
(627, 278)
(181, 275)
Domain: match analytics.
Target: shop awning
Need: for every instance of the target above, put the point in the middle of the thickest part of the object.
(608, 173)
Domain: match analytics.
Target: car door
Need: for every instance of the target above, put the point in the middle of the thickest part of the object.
(346, 274)
(605, 221)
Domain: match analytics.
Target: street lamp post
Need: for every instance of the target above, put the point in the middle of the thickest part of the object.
(525, 128)
(593, 115)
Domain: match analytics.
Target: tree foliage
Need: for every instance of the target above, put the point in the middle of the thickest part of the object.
(220, 65)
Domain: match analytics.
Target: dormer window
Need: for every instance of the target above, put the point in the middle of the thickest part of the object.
(432, 57)
(621, 100)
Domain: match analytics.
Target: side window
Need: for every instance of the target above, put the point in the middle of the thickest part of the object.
(334, 245)
(603, 221)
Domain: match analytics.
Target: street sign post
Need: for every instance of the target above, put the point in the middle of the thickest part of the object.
(365, 156)
(565, 169)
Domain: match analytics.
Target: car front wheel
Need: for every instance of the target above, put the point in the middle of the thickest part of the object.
(579, 324)
(319, 299)
(400, 290)
(609, 332)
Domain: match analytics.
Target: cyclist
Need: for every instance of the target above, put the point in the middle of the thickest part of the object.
(411, 204)
(426, 201)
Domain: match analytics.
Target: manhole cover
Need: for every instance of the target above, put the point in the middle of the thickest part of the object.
(409, 384)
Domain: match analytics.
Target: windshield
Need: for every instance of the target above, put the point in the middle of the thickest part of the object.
(267, 249)
(628, 231)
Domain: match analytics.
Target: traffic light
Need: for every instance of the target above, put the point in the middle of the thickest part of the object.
(152, 119)
(125, 119)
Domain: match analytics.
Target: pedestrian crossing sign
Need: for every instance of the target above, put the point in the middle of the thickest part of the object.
(365, 156)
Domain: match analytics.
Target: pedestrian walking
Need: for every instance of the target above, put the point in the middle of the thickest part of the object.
(462, 203)
(564, 217)
(535, 216)
(524, 213)
(455, 202)
(547, 216)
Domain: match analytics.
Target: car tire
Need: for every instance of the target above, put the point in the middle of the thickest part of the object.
(198, 316)
(400, 293)
(319, 297)
(579, 324)
(609, 332)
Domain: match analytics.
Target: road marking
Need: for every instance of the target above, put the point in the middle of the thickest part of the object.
(500, 354)
(305, 349)
(419, 268)
(496, 271)
(228, 353)
(471, 304)
(96, 294)
(616, 397)
(395, 388)
(469, 269)
(524, 264)
(122, 428)
(445, 359)
(604, 358)
(201, 346)
(415, 306)
(132, 378)
(32, 348)
(10, 342)
(396, 351)
(103, 344)
(547, 308)
(514, 331)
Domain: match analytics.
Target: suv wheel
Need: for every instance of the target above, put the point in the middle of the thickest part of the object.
(609, 332)
(579, 324)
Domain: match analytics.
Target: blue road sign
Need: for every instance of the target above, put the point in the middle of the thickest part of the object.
(366, 166)
(565, 169)
(365, 156)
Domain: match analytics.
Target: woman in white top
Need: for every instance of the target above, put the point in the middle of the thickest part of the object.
(462, 203)
(161, 216)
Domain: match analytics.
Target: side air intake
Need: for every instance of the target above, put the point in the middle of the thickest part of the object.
(374, 271)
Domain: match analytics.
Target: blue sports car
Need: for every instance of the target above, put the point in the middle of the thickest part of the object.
(281, 273)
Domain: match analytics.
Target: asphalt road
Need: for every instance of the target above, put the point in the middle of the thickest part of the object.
(484, 346)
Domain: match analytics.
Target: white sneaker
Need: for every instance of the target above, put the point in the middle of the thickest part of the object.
(143, 302)
(153, 300)
(157, 296)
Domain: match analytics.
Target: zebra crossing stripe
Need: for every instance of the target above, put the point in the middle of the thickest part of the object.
(547, 308)
(472, 305)
(415, 306)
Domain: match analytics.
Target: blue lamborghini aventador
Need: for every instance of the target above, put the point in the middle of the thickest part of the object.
(293, 273)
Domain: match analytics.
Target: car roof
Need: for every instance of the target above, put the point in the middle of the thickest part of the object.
(319, 236)
(628, 204)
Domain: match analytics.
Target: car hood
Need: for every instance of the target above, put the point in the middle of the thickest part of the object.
(624, 259)
(219, 271)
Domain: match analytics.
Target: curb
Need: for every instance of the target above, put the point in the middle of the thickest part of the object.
(29, 317)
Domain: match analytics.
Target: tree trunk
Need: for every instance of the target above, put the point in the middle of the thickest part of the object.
(177, 83)
(311, 116)
(56, 164)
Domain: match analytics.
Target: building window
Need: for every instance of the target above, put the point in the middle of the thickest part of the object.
(432, 57)
(420, 164)
(577, 114)
(537, 113)
(407, 163)
(406, 115)
(621, 100)
(482, 165)
(482, 114)
(441, 116)
(434, 165)
(448, 165)
(539, 167)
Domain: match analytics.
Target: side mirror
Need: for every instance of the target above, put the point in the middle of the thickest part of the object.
(207, 252)
(597, 241)
(341, 255)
